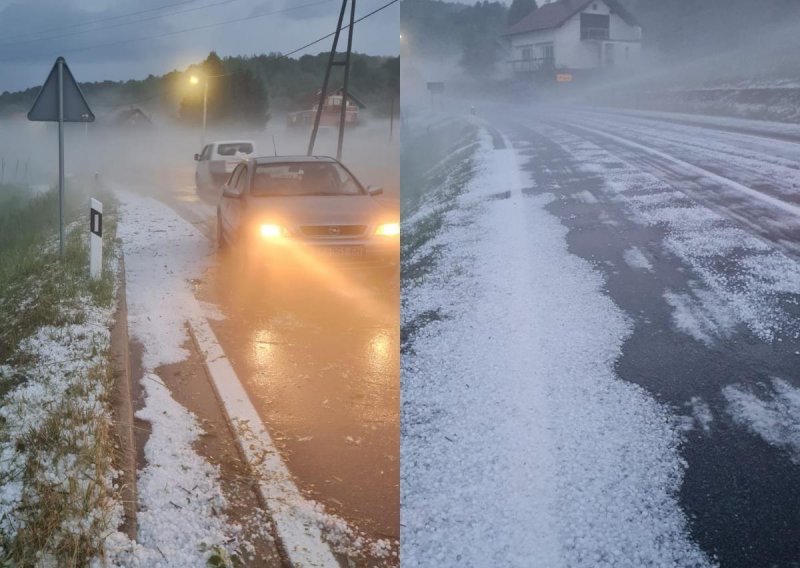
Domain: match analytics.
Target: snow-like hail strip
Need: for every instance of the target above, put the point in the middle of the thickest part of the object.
(179, 492)
(519, 440)
(775, 416)
(162, 254)
(768, 199)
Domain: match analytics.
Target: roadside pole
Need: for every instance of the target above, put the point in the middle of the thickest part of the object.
(205, 108)
(60, 64)
(95, 239)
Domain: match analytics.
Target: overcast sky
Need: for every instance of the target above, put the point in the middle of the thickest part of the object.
(95, 36)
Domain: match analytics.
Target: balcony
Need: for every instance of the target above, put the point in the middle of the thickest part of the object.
(521, 66)
(599, 34)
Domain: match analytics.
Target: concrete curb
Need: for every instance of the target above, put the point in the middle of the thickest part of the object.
(123, 407)
(300, 538)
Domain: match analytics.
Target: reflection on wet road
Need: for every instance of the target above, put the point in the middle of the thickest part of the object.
(322, 366)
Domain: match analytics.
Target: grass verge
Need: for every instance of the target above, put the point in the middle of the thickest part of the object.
(432, 191)
(57, 496)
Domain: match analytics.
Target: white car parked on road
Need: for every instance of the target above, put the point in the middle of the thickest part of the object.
(217, 160)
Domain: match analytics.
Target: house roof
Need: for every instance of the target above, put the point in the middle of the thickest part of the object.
(132, 115)
(311, 99)
(554, 15)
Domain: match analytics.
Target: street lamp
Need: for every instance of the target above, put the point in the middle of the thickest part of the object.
(194, 80)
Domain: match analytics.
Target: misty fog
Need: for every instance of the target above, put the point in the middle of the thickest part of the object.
(736, 58)
(156, 158)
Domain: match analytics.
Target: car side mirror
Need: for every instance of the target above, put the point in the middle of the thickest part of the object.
(197, 157)
(374, 190)
(228, 192)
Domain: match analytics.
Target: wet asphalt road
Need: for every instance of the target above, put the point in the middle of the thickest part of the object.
(320, 360)
(322, 367)
(739, 492)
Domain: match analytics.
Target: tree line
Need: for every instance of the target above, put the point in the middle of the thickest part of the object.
(241, 89)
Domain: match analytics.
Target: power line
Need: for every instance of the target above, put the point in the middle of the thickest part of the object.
(365, 16)
(95, 21)
(185, 30)
(121, 24)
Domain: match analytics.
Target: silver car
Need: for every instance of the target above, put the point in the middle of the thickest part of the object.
(308, 213)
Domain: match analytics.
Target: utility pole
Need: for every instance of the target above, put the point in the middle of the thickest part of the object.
(194, 80)
(345, 92)
(205, 108)
(331, 63)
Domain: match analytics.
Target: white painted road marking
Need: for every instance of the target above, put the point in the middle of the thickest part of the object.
(301, 537)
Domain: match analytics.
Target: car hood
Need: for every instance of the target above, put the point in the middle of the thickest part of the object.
(322, 210)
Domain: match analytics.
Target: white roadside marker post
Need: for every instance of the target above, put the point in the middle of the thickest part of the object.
(95, 239)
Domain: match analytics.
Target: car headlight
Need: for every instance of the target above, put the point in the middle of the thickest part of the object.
(272, 231)
(388, 229)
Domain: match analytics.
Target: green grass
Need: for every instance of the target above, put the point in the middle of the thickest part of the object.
(38, 289)
(435, 188)
(12, 195)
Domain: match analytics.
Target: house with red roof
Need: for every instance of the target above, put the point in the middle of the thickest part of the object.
(574, 35)
(331, 110)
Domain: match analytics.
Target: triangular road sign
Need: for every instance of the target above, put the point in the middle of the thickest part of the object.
(45, 107)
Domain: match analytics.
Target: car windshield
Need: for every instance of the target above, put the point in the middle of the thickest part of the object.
(234, 147)
(306, 178)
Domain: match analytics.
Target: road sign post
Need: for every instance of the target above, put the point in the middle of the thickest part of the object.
(95, 239)
(60, 65)
(60, 100)
(435, 88)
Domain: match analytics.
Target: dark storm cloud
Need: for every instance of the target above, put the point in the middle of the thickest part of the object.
(174, 35)
(31, 31)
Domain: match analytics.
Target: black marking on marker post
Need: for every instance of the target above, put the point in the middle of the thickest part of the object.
(96, 222)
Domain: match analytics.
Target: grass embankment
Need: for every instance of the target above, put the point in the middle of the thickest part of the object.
(436, 171)
(56, 444)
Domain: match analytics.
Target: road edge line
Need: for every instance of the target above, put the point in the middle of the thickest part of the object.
(301, 540)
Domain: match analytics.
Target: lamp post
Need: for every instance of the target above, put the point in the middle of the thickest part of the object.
(194, 80)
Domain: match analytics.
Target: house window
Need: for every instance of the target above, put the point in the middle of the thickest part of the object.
(527, 53)
(595, 26)
(548, 53)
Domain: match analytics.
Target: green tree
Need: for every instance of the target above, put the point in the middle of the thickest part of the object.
(519, 9)
(245, 100)
(480, 27)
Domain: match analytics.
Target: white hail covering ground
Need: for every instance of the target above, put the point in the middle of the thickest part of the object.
(163, 253)
(61, 365)
(524, 444)
(775, 417)
(750, 286)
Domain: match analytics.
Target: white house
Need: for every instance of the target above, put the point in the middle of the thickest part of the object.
(574, 35)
